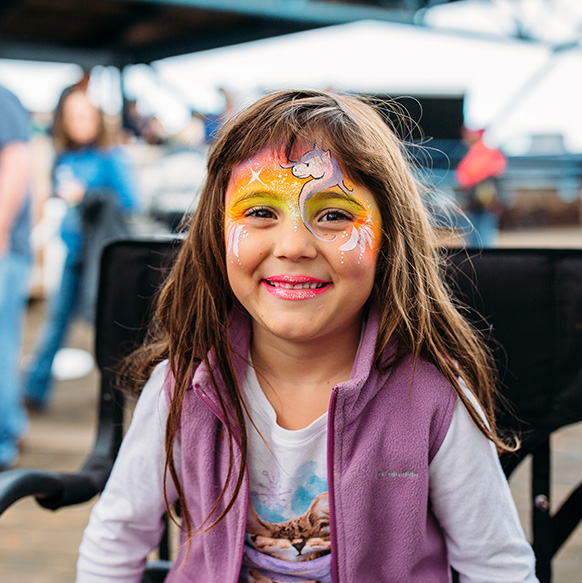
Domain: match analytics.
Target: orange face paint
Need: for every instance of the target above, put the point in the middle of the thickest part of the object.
(303, 190)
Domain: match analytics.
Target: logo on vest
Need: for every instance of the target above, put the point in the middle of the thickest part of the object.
(395, 474)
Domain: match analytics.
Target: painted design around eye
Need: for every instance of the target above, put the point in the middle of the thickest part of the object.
(325, 173)
(360, 237)
(310, 192)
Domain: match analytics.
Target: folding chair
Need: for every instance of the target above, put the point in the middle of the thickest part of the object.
(131, 272)
(532, 302)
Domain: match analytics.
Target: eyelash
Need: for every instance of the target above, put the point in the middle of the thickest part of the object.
(344, 216)
(267, 213)
(256, 212)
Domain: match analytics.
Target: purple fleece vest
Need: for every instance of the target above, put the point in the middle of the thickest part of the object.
(383, 431)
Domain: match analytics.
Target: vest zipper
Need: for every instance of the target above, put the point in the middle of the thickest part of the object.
(211, 405)
(330, 485)
(208, 402)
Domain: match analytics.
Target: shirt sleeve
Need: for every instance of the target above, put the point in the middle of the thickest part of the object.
(126, 523)
(14, 121)
(123, 180)
(472, 501)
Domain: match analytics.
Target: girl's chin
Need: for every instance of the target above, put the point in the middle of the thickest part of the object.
(292, 329)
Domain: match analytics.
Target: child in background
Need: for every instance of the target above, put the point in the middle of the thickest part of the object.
(96, 181)
(315, 402)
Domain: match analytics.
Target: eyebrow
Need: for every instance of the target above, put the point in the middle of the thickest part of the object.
(332, 194)
(259, 194)
(340, 195)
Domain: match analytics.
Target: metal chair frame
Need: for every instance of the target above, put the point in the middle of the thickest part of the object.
(531, 306)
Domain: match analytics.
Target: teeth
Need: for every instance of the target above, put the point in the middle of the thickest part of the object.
(307, 285)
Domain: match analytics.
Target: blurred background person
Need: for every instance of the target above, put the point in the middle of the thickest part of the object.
(142, 127)
(15, 260)
(477, 177)
(212, 122)
(96, 182)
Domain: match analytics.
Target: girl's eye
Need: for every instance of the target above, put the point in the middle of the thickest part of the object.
(260, 213)
(334, 215)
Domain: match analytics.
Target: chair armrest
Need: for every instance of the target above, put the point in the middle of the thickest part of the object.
(54, 490)
(21, 482)
(156, 571)
(82, 486)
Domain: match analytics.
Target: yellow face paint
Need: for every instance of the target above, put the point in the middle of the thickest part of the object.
(311, 192)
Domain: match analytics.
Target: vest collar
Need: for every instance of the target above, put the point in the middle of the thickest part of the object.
(351, 392)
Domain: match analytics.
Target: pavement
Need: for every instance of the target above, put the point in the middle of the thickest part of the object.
(40, 546)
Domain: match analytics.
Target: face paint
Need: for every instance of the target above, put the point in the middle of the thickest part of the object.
(259, 183)
(365, 230)
(315, 182)
(325, 174)
(302, 242)
(234, 235)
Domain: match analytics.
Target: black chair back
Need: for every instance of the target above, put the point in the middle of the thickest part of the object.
(531, 306)
(532, 302)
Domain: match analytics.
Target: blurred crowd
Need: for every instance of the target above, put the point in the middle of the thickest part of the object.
(92, 195)
(65, 189)
(90, 191)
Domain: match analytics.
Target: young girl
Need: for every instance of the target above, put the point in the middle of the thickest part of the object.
(318, 407)
(97, 182)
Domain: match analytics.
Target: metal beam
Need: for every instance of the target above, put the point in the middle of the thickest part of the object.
(256, 19)
(305, 11)
(8, 7)
(215, 38)
(59, 54)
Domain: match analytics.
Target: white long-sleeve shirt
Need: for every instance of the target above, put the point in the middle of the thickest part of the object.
(484, 537)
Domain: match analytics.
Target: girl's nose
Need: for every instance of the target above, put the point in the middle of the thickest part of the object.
(293, 241)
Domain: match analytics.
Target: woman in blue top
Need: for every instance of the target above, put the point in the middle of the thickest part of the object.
(96, 181)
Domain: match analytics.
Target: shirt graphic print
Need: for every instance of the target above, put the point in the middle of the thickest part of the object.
(287, 539)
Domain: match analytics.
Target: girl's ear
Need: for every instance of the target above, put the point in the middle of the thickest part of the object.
(327, 154)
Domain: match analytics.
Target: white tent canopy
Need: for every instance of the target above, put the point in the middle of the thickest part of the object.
(366, 56)
(399, 60)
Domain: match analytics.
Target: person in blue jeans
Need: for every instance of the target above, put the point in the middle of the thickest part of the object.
(96, 181)
(14, 268)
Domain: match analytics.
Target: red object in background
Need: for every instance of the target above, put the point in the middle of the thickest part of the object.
(480, 163)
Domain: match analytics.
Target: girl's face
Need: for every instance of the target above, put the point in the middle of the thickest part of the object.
(301, 243)
(81, 120)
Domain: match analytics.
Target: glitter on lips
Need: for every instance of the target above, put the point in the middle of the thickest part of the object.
(295, 287)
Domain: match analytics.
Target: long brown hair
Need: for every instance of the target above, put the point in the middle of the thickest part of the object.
(416, 305)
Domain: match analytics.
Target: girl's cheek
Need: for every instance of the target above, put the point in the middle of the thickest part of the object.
(360, 242)
(356, 262)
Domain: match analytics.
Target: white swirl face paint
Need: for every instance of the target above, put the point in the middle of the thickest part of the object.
(235, 233)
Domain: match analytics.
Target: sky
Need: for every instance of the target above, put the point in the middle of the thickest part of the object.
(513, 88)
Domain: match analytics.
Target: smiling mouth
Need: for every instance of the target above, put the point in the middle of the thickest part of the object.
(286, 285)
(289, 287)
